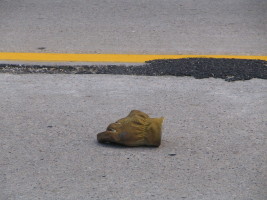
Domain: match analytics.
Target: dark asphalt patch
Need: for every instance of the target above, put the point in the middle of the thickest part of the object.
(227, 69)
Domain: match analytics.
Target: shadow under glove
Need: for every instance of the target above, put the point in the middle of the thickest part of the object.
(137, 129)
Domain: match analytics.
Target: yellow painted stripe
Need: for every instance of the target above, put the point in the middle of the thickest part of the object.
(122, 58)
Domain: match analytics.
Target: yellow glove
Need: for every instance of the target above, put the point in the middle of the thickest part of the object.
(137, 129)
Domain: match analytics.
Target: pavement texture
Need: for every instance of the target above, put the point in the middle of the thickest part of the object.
(134, 27)
(227, 69)
(214, 138)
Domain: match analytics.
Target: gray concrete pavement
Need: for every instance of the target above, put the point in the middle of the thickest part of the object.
(134, 27)
(48, 123)
(48, 148)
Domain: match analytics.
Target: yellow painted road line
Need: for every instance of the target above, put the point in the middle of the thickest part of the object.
(119, 58)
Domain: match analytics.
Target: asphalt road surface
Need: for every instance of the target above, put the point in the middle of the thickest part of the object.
(134, 27)
(214, 138)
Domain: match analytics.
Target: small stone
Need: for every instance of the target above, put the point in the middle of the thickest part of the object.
(173, 152)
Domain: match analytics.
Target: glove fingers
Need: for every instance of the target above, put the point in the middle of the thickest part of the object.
(107, 136)
(138, 113)
(113, 127)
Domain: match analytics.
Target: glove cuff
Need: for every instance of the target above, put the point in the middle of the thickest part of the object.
(154, 131)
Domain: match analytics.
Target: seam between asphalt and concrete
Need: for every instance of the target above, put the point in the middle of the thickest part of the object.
(111, 58)
(227, 67)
